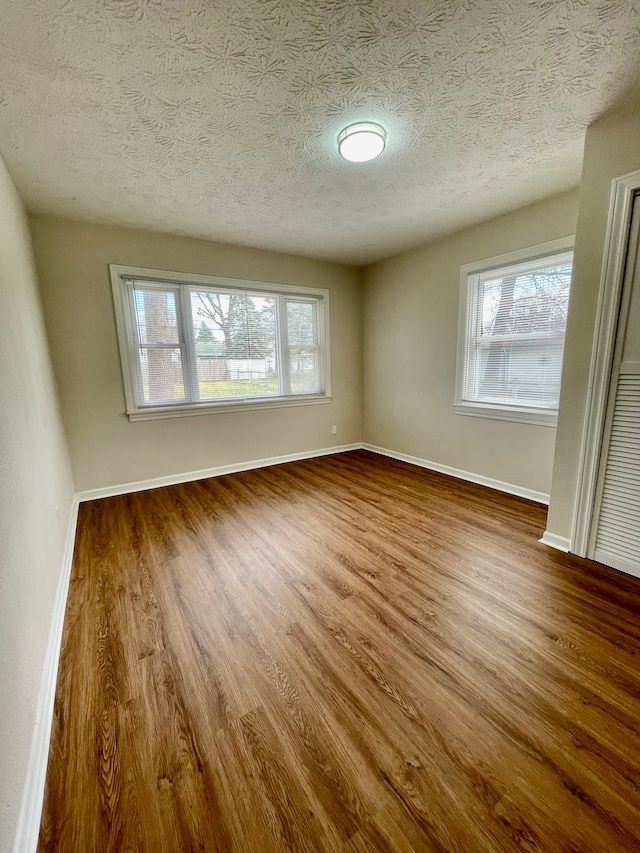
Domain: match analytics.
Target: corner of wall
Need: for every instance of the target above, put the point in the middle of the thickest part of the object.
(36, 498)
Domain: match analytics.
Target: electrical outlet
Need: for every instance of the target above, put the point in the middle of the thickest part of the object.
(334, 430)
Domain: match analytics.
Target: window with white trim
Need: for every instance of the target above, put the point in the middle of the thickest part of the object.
(191, 344)
(513, 316)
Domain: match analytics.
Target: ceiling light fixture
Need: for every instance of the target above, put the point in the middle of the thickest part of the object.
(362, 141)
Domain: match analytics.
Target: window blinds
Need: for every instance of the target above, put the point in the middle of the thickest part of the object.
(514, 336)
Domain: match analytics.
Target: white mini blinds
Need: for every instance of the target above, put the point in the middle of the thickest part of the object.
(511, 337)
(193, 343)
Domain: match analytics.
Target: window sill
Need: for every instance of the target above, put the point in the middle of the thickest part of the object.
(189, 410)
(538, 417)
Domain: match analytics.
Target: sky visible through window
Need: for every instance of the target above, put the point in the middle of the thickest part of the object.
(538, 304)
(261, 304)
(514, 334)
(201, 343)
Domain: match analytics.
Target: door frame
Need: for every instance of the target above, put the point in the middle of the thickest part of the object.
(623, 192)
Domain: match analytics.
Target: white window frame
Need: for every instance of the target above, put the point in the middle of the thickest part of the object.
(468, 298)
(121, 275)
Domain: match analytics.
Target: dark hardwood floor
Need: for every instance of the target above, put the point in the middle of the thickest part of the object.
(342, 654)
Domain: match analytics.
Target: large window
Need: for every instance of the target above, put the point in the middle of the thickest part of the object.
(513, 315)
(191, 344)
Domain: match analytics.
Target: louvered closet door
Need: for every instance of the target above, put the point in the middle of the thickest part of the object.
(617, 518)
(618, 531)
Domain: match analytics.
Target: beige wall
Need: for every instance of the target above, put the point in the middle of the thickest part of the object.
(612, 149)
(410, 339)
(106, 449)
(34, 478)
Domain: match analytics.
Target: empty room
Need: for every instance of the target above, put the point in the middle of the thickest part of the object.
(319, 426)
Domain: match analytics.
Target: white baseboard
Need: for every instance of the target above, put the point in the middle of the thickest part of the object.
(520, 491)
(190, 476)
(560, 543)
(28, 828)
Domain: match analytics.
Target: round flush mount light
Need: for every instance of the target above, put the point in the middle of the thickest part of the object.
(362, 141)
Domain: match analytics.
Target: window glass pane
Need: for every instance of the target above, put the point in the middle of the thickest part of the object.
(235, 344)
(156, 316)
(515, 347)
(303, 370)
(523, 372)
(197, 343)
(301, 322)
(526, 304)
(161, 375)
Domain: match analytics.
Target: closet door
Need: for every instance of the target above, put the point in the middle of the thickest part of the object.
(615, 538)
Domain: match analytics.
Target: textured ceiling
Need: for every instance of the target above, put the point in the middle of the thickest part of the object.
(219, 119)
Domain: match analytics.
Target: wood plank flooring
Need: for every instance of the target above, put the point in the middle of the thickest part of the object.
(344, 654)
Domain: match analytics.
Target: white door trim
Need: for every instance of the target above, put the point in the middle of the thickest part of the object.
(623, 190)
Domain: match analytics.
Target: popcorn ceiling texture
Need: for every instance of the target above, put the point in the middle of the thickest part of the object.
(219, 119)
